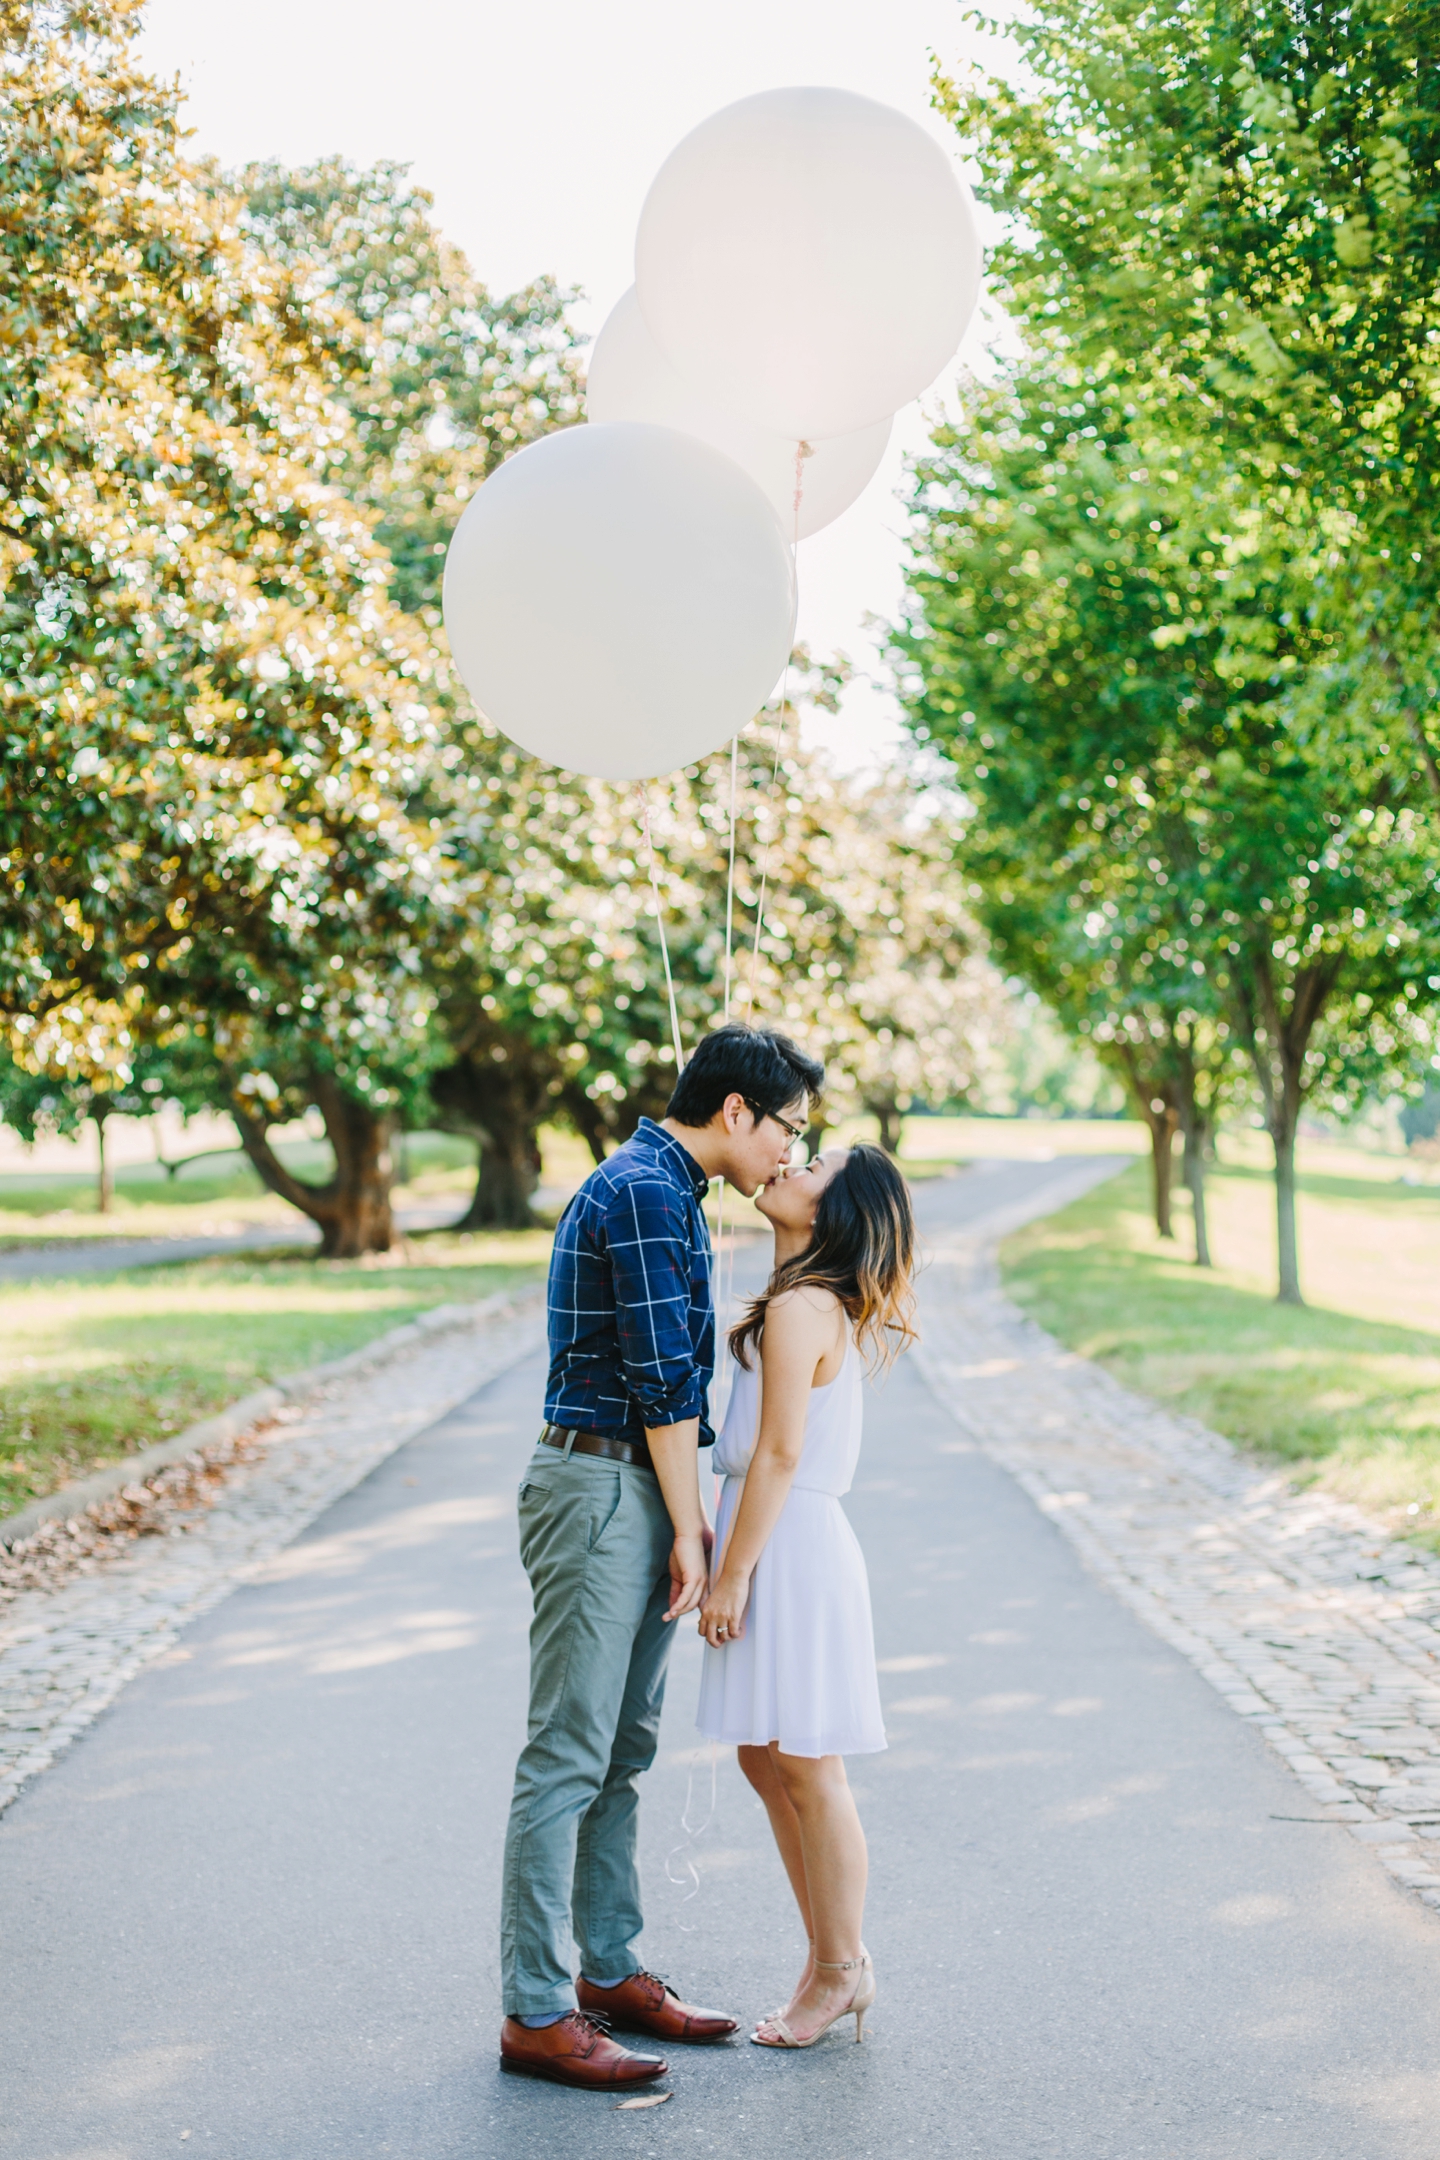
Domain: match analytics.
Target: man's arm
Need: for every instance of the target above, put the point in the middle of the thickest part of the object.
(674, 1450)
(649, 1243)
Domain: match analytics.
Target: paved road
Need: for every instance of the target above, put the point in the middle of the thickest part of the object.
(102, 1255)
(257, 1902)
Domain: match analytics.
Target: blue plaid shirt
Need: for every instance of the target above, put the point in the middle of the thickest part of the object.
(632, 1317)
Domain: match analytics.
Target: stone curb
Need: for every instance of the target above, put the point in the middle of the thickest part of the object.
(251, 1410)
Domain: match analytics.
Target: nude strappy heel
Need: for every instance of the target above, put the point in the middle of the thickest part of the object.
(859, 2003)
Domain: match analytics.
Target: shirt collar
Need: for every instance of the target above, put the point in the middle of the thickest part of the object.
(680, 1158)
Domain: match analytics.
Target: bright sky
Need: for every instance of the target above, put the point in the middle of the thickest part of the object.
(538, 130)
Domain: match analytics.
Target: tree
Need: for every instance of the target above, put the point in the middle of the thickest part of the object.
(554, 995)
(217, 725)
(1106, 638)
(446, 383)
(448, 380)
(1237, 205)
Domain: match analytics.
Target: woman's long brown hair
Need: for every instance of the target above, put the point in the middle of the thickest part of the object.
(862, 1248)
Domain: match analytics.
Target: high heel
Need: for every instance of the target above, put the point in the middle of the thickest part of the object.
(858, 2004)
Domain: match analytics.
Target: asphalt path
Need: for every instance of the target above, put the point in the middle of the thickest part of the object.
(103, 1255)
(252, 1913)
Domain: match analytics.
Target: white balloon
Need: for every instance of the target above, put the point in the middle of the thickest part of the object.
(809, 259)
(631, 379)
(619, 600)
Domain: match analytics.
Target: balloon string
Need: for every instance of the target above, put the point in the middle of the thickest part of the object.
(730, 877)
(722, 1372)
(692, 1833)
(722, 1391)
(660, 925)
(802, 451)
(769, 845)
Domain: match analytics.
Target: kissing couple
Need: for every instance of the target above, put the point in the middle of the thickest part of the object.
(615, 1540)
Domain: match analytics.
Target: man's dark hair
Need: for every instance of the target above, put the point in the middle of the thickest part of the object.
(769, 1070)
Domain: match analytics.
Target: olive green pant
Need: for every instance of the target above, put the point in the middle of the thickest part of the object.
(595, 1540)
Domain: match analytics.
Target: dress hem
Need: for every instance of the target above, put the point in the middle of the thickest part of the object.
(842, 1747)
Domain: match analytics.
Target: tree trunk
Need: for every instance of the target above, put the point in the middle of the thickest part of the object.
(886, 1113)
(105, 1187)
(509, 1172)
(1286, 1244)
(1195, 1131)
(588, 1119)
(1194, 1174)
(1276, 1044)
(500, 1092)
(1155, 1100)
(1162, 1169)
(353, 1208)
(1158, 1111)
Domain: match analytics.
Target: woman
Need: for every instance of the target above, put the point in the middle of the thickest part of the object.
(790, 1666)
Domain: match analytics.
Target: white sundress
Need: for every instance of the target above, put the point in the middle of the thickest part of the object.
(803, 1672)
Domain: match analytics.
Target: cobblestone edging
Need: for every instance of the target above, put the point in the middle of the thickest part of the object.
(66, 1653)
(1305, 1615)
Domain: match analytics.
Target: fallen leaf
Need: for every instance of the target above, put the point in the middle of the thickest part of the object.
(645, 2100)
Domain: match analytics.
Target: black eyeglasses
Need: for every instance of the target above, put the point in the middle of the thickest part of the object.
(796, 1132)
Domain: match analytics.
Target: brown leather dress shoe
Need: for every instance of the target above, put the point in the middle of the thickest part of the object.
(575, 2050)
(644, 2003)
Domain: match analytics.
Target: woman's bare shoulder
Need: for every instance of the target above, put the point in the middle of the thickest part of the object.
(804, 1307)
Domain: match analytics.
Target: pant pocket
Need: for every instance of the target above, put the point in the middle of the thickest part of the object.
(604, 1507)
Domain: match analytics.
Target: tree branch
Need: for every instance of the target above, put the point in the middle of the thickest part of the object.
(316, 1201)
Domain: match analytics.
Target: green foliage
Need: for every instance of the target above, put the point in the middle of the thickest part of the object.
(1106, 646)
(213, 717)
(1176, 601)
(1234, 209)
(257, 851)
(865, 947)
(447, 380)
(1248, 195)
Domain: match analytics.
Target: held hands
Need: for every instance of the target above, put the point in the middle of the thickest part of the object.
(723, 1619)
(689, 1566)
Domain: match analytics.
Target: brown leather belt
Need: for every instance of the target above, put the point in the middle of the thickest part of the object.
(594, 1443)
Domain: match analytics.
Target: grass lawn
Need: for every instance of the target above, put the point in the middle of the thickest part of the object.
(94, 1368)
(949, 1140)
(211, 1197)
(1346, 1390)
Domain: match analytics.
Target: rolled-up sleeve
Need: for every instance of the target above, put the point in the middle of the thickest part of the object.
(648, 1236)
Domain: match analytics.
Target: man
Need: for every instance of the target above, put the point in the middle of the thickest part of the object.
(613, 1537)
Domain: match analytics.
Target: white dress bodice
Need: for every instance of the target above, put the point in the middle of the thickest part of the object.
(832, 1427)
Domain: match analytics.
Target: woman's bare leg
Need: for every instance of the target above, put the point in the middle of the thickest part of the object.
(758, 1764)
(835, 1866)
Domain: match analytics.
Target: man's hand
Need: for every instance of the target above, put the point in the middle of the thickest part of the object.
(673, 1451)
(689, 1573)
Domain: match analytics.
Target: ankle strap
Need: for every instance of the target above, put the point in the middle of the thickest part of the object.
(844, 1965)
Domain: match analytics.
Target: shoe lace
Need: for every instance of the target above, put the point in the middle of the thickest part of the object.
(660, 1981)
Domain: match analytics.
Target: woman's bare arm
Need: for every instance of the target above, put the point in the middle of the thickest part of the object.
(801, 1331)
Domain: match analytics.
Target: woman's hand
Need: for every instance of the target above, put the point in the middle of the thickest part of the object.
(722, 1617)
